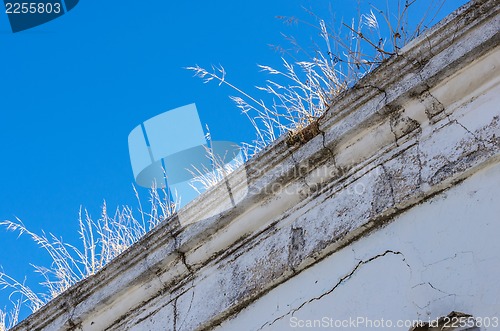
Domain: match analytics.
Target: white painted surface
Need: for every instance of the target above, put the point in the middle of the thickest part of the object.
(448, 260)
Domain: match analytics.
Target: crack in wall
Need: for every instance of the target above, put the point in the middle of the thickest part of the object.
(391, 125)
(151, 271)
(176, 314)
(157, 273)
(378, 107)
(420, 165)
(482, 142)
(429, 42)
(434, 287)
(301, 176)
(455, 121)
(381, 90)
(435, 108)
(173, 302)
(340, 282)
(72, 324)
(189, 308)
(180, 253)
(330, 151)
(449, 258)
(430, 302)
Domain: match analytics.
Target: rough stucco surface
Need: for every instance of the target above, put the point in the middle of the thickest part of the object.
(436, 257)
(390, 211)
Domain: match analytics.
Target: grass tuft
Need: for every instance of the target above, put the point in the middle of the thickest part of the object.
(304, 89)
(102, 240)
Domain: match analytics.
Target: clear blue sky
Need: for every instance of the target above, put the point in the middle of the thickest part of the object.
(71, 91)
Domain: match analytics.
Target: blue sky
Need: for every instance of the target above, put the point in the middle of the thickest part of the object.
(72, 90)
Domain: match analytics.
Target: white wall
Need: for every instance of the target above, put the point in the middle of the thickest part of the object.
(438, 257)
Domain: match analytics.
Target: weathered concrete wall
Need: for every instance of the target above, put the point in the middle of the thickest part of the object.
(440, 256)
(390, 212)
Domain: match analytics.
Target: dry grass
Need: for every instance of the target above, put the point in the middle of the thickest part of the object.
(7, 321)
(206, 177)
(310, 80)
(102, 240)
